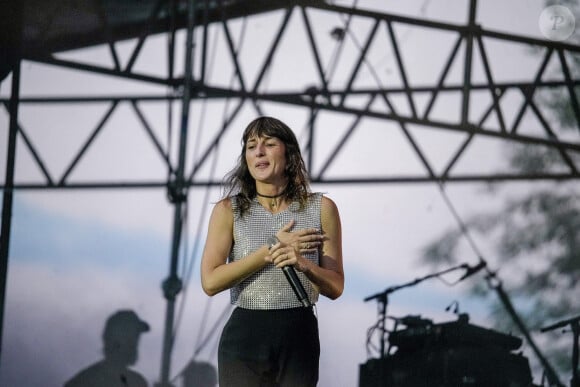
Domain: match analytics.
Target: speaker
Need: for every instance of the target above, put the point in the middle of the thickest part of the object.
(447, 367)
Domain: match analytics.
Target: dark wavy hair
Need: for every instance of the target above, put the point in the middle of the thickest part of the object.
(239, 181)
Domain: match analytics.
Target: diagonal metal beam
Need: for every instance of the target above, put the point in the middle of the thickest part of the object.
(89, 141)
(233, 52)
(148, 31)
(32, 150)
(491, 108)
(216, 140)
(492, 86)
(442, 77)
(360, 61)
(528, 92)
(315, 51)
(270, 54)
(551, 134)
(571, 91)
(459, 152)
(401, 67)
(107, 33)
(164, 155)
(340, 145)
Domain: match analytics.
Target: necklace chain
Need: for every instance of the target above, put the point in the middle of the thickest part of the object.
(271, 196)
(273, 203)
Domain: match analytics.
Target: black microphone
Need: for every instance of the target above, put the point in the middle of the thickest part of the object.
(296, 285)
(455, 306)
(560, 324)
(293, 279)
(472, 270)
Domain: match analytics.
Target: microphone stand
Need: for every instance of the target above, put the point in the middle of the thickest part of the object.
(574, 323)
(383, 299)
(496, 284)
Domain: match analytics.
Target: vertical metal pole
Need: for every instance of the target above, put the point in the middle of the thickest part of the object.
(468, 59)
(178, 194)
(204, 42)
(575, 382)
(9, 187)
(553, 379)
(383, 300)
(11, 40)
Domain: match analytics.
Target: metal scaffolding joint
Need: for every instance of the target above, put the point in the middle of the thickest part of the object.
(171, 287)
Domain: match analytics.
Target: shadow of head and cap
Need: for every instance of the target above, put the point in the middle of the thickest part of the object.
(121, 336)
(120, 342)
(124, 321)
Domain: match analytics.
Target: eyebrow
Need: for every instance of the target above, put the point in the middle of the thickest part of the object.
(255, 138)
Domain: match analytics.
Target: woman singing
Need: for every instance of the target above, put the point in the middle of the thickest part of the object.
(269, 219)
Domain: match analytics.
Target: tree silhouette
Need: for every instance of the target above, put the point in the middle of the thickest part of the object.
(534, 236)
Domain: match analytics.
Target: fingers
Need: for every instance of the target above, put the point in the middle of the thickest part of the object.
(287, 226)
(312, 232)
(310, 246)
(283, 256)
(310, 242)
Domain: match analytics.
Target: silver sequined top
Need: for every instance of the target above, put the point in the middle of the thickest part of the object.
(268, 287)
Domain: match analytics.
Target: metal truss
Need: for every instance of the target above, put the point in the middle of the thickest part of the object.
(322, 97)
(319, 95)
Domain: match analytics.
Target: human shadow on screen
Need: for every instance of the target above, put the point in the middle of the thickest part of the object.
(199, 374)
(120, 348)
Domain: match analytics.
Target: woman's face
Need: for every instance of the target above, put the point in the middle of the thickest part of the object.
(266, 159)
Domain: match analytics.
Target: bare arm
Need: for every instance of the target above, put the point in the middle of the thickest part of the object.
(216, 274)
(328, 277)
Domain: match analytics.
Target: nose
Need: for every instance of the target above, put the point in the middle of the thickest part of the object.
(260, 150)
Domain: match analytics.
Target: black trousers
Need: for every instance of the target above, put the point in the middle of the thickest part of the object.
(269, 348)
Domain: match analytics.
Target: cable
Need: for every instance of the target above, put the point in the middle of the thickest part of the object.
(462, 225)
(331, 67)
(496, 284)
(222, 316)
(202, 326)
(188, 269)
(328, 73)
(171, 90)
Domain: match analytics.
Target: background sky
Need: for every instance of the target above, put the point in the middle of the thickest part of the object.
(77, 256)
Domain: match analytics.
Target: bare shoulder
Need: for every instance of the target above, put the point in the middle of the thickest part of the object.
(225, 203)
(223, 207)
(222, 213)
(327, 204)
(328, 208)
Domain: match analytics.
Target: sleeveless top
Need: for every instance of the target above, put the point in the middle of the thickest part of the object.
(268, 287)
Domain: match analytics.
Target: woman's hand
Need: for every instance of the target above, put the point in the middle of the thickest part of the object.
(282, 255)
(304, 241)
